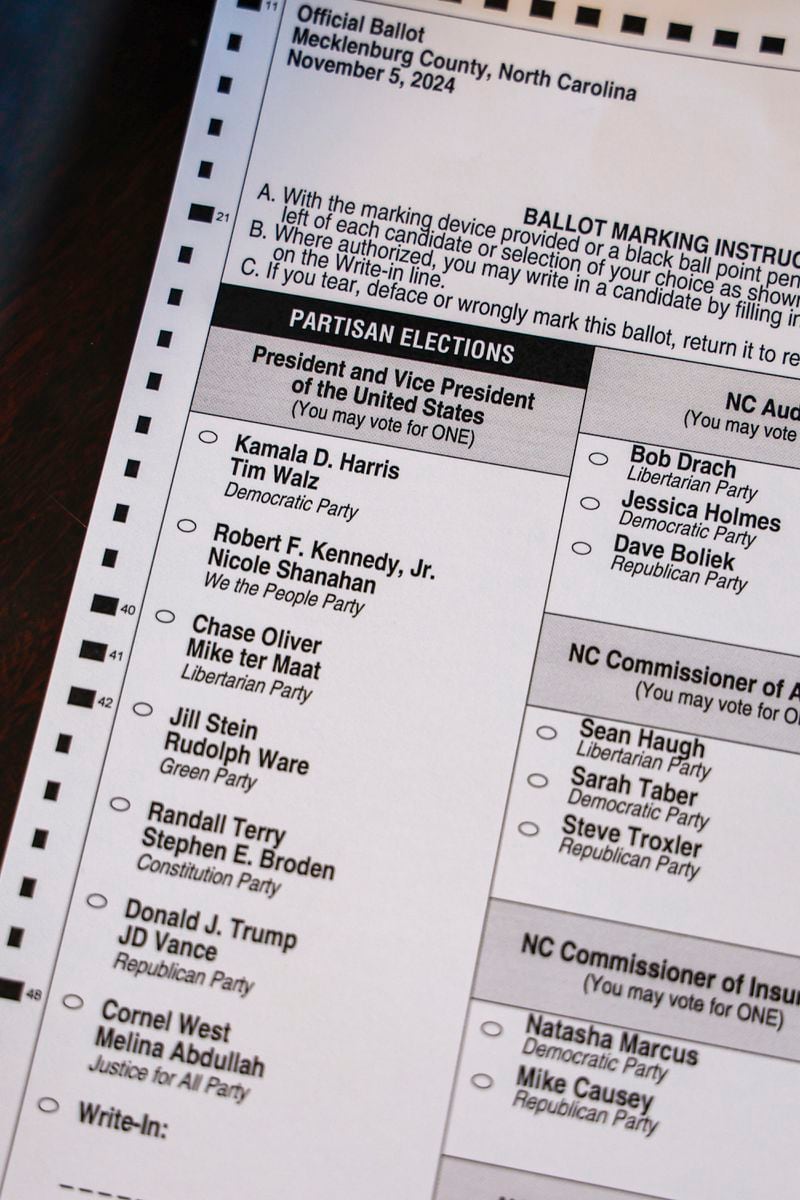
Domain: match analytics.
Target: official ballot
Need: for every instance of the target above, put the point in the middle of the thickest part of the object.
(413, 807)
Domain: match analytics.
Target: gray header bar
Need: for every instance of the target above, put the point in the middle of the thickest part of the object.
(241, 378)
(590, 668)
(712, 410)
(464, 1180)
(548, 961)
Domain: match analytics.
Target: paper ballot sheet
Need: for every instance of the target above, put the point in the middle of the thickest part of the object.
(413, 808)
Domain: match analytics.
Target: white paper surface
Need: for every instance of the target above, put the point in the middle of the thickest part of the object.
(426, 824)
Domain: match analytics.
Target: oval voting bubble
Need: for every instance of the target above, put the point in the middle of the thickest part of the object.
(481, 1081)
(590, 503)
(598, 459)
(536, 779)
(492, 1028)
(96, 900)
(142, 708)
(47, 1104)
(546, 732)
(207, 435)
(119, 803)
(528, 828)
(187, 525)
(165, 615)
(581, 548)
(72, 1000)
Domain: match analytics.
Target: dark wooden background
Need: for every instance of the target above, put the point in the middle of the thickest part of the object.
(95, 98)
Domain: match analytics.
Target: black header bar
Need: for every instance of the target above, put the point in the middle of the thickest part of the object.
(402, 335)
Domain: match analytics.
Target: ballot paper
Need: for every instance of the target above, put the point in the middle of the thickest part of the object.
(413, 808)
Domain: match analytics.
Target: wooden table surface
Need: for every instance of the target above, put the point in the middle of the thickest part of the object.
(94, 123)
